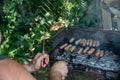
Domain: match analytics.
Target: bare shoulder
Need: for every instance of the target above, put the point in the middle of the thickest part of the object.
(11, 70)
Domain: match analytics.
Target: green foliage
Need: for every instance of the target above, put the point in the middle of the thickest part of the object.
(80, 13)
(26, 23)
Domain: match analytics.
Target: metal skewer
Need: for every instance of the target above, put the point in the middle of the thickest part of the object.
(43, 50)
(43, 47)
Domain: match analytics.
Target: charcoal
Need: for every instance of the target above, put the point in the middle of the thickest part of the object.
(104, 63)
(107, 65)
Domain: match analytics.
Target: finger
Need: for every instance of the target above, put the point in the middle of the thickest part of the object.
(37, 55)
(42, 62)
(38, 63)
(46, 58)
(44, 65)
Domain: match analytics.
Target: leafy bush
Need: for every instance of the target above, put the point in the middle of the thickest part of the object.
(27, 23)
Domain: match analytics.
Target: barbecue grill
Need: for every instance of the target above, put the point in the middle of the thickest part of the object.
(89, 51)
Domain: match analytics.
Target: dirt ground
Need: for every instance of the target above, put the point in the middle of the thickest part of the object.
(43, 75)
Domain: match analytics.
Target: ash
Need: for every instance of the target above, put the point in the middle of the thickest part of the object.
(109, 61)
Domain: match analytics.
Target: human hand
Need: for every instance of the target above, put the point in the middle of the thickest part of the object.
(40, 61)
(59, 67)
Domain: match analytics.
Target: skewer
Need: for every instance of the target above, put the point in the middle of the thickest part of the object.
(43, 50)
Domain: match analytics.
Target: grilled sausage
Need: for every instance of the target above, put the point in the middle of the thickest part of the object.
(80, 51)
(98, 53)
(90, 42)
(72, 48)
(94, 43)
(78, 41)
(63, 46)
(91, 51)
(84, 42)
(85, 50)
(72, 39)
(68, 47)
(97, 43)
(101, 53)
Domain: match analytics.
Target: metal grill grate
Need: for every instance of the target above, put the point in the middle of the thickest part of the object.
(88, 50)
